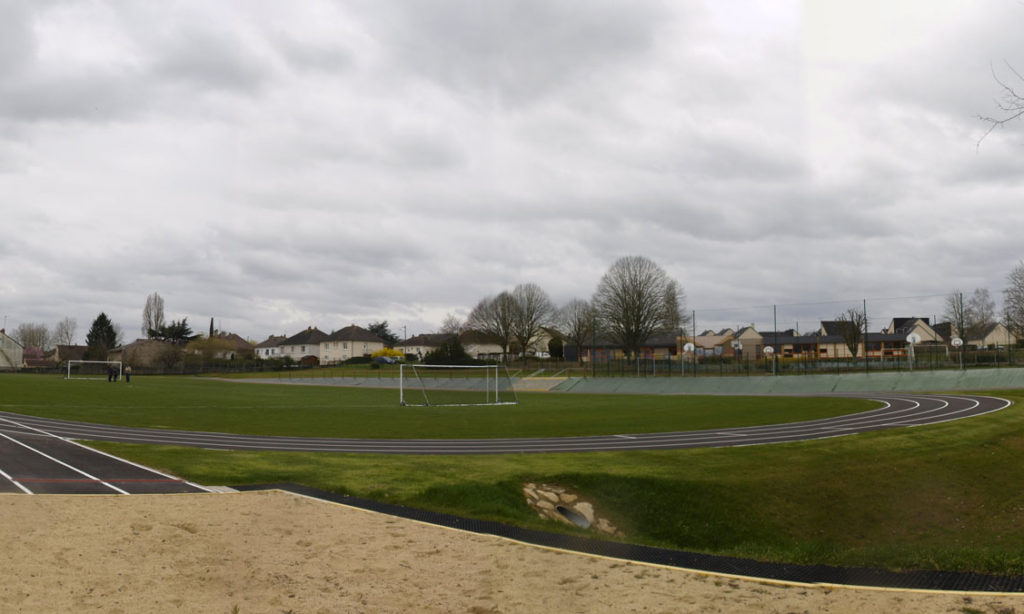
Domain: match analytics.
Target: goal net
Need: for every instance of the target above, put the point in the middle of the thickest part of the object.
(92, 369)
(440, 385)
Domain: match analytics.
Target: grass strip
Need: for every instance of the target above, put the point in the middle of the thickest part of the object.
(941, 497)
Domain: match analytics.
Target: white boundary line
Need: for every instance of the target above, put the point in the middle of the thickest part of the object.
(60, 462)
(16, 483)
(101, 452)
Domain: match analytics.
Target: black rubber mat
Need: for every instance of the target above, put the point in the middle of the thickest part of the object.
(810, 574)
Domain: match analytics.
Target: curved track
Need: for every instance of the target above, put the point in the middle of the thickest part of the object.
(898, 410)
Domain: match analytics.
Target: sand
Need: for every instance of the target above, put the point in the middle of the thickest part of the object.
(276, 552)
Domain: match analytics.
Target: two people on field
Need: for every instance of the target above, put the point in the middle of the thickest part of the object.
(112, 374)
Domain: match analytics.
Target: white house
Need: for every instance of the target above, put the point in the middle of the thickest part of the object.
(12, 354)
(349, 342)
(306, 343)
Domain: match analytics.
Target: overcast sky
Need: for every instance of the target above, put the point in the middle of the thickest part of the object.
(277, 165)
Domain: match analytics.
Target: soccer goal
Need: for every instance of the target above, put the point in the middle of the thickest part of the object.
(447, 385)
(92, 369)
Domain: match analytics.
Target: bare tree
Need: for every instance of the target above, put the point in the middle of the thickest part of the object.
(153, 314)
(495, 316)
(970, 318)
(851, 328)
(64, 331)
(1010, 103)
(533, 310)
(31, 334)
(451, 325)
(576, 319)
(635, 299)
(1013, 301)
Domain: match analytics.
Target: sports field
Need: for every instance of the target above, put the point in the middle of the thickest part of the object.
(946, 496)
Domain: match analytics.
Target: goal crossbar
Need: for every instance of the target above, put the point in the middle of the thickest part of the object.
(490, 385)
(79, 363)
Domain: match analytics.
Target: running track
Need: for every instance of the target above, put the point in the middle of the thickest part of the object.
(897, 410)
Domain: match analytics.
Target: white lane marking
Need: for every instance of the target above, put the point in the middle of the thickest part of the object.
(60, 462)
(624, 436)
(127, 462)
(15, 482)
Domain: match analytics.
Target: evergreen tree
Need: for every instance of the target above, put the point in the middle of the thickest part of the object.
(101, 338)
(381, 330)
(450, 352)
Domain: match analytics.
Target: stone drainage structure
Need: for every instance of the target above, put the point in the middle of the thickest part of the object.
(556, 503)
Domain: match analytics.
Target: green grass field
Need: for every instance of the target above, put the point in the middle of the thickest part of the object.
(947, 496)
(270, 409)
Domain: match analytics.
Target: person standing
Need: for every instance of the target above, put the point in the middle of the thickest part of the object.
(110, 373)
(128, 374)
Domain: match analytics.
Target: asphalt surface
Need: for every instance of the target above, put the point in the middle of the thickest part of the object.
(898, 410)
(33, 461)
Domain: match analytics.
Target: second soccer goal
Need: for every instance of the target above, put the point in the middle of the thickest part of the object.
(441, 385)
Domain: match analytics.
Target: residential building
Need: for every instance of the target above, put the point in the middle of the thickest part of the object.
(305, 344)
(481, 345)
(269, 348)
(349, 342)
(421, 345)
(12, 354)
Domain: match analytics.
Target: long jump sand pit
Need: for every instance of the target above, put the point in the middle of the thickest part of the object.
(273, 552)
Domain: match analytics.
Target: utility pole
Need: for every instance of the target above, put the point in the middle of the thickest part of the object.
(866, 361)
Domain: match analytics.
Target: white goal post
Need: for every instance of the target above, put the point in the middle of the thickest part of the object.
(455, 385)
(90, 369)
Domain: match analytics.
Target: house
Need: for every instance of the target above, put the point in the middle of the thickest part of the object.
(231, 346)
(306, 343)
(751, 343)
(269, 348)
(421, 345)
(349, 342)
(993, 337)
(659, 346)
(481, 345)
(12, 354)
(711, 343)
(63, 353)
(919, 326)
(147, 353)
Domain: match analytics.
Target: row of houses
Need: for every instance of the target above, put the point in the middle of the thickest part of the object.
(313, 346)
(829, 342)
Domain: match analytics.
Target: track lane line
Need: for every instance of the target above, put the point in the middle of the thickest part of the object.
(63, 464)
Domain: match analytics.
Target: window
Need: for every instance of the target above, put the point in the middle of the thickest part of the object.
(345, 345)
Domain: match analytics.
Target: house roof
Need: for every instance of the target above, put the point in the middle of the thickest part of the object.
(354, 333)
(900, 324)
(426, 339)
(271, 342)
(310, 336)
(475, 336)
(236, 342)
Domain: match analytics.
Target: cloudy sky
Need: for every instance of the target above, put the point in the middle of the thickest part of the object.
(276, 165)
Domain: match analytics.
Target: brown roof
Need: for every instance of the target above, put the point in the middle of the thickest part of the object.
(236, 342)
(310, 336)
(354, 333)
(271, 342)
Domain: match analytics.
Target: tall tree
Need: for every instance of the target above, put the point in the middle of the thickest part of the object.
(31, 334)
(382, 330)
(101, 338)
(851, 327)
(576, 319)
(178, 333)
(973, 316)
(1013, 301)
(64, 332)
(1010, 102)
(152, 314)
(495, 316)
(634, 299)
(451, 325)
(533, 310)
